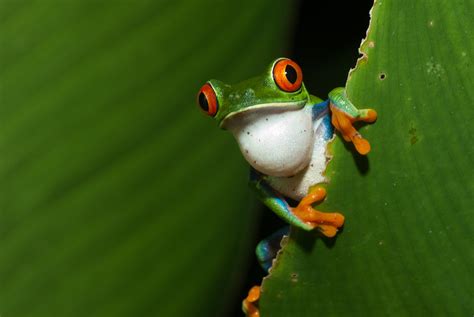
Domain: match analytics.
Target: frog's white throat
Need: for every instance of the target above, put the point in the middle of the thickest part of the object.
(275, 140)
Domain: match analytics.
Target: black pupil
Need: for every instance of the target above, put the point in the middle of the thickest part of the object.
(203, 102)
(290, 73)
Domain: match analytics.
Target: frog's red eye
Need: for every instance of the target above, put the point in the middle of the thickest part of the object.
(287, 75)
(207, 100)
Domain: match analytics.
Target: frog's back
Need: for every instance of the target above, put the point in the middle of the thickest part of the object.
(297, 186)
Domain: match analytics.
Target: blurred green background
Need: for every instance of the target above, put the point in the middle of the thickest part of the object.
(117, 196)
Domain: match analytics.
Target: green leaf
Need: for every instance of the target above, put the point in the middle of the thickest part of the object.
(118, 198)
(406, 248)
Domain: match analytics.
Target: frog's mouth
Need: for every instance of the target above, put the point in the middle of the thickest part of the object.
(281, 106)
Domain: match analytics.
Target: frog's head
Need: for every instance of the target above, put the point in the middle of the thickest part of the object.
(281, 85)
(266, 116)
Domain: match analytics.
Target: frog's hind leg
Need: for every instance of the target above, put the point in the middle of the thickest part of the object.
(266, 251)
(268, 248)
(250, 303)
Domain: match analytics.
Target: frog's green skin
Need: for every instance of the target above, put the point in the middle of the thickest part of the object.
(339, 99)
(254, 93)
(260, 99)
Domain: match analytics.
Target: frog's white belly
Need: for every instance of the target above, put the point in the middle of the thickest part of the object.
(297, 186)
(276, 140)
(286, 145)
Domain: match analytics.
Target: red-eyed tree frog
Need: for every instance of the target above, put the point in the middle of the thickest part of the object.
(283, 133)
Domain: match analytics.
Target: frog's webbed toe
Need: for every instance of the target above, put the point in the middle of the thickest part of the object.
(250, 303)
(367, 115)
(343, 122)
(325, 222)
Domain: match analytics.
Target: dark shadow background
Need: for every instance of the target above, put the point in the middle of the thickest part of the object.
(326, 36)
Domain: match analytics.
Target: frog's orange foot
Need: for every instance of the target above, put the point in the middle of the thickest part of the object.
(367, 115)
(343, 123)
(250, 303)
(326, 223)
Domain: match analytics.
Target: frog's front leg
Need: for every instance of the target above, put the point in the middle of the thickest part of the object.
(344, 114)
(326, 222)
(303, 216)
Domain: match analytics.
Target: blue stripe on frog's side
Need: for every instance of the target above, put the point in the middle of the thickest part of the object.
(322, 110)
